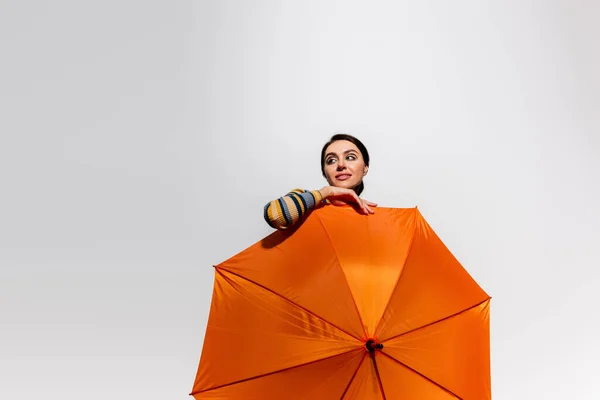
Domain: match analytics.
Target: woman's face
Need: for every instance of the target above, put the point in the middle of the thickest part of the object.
(344, 165)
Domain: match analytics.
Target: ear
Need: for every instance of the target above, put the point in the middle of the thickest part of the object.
(366, 171)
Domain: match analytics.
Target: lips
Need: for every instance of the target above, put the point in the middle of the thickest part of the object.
(342, 177)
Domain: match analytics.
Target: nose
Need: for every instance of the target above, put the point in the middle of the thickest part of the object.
(341, 164)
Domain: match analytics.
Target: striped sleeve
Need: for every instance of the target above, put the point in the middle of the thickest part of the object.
(285, 211)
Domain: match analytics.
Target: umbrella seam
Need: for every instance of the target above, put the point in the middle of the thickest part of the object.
(353, 376)
(399, 276)
(274, 372)
(379, 381)
(362, 322)
(371, 263)
(456, 314)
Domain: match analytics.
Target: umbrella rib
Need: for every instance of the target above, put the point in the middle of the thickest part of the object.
(377, 375)
(422, 376)
(412, 239)
(275, 372)
(439, 320)
(345, 277)
(353, 376)
(293, 303)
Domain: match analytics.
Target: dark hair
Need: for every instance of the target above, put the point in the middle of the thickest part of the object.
(361, 147)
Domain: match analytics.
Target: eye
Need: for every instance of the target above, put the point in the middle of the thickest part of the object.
(351, 157)
(330, 160)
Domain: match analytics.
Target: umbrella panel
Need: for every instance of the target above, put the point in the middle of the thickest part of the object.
(320, 380)
(400, 382)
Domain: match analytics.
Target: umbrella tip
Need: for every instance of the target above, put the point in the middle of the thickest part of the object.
(371, 345)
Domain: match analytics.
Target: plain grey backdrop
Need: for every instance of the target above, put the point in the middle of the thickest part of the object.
(139, 141)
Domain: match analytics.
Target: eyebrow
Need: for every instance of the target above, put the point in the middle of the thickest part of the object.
(345, 152)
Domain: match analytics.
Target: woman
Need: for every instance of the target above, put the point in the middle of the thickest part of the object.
(344, 164)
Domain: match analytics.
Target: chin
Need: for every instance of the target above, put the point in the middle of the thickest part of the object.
(347, 185)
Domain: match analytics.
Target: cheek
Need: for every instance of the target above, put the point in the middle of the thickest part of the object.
(356, 167)
(329, 171)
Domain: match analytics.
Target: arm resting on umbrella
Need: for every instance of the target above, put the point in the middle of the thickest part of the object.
(285, 211)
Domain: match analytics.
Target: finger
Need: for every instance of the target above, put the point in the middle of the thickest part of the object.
(363, 206)
(361, 202)
(366, 208)
(370, 203)
(360, 207)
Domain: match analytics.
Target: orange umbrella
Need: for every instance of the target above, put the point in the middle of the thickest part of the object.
(346, 306)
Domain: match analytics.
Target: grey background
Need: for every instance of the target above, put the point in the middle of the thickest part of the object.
(139, 142)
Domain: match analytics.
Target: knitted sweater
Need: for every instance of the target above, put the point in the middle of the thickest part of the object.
(285, 211)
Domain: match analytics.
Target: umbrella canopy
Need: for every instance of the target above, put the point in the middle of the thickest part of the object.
(346, 306)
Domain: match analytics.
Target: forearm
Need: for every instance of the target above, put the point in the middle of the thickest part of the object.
(285, 211)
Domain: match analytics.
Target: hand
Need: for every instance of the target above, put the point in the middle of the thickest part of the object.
(342, 196)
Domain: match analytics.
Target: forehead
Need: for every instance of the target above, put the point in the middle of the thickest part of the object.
(340, 146)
